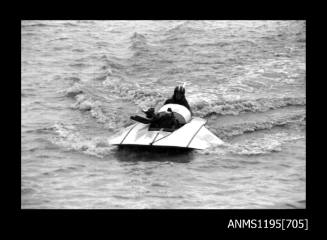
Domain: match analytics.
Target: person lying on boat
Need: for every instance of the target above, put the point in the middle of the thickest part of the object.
(165, 119)
(179, 98)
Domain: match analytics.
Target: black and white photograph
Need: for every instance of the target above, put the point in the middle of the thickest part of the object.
(163, 114)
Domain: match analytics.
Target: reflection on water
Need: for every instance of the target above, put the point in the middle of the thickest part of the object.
(157, 154)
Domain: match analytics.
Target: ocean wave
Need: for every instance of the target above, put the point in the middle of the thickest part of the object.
(293, 205)
(139, 45)
(79, 65)
(28, 34)
(69, 169)
(73, 79)
(142, 97)
(301, 40)
(266, 144)
(35, 25)
(78, 50)
(183, 35)
(221, 44)
(70, 138)
(70, 24)
(61, 39)
(108, 68)
(26, 191)
(232, 130)
(145, 98)
(138, 41)
(40, 130)
(86, 103)
(138, 37)
(215, 44)
(185, 27)
(111, 63)
(117, 89)
(101, 44)
(209, 108)
(24, 94)
(74, 90)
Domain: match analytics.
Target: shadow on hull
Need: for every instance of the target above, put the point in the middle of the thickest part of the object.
(135, 153)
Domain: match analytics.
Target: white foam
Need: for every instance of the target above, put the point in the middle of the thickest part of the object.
(70, 138)
(263, 145)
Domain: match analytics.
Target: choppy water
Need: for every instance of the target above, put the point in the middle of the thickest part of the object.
(81, 80)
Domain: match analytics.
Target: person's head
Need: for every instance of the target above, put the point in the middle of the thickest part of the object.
(179, 93)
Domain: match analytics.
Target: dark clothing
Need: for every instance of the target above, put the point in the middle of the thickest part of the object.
(159, 120)
(165, 119)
